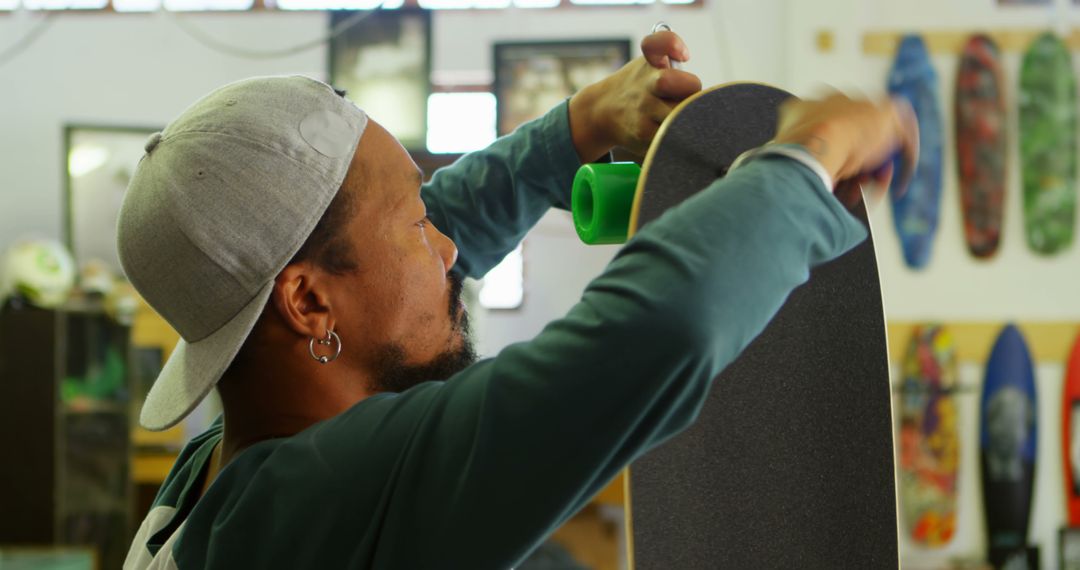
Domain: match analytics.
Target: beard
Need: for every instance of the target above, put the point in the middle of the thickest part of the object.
(394, 374)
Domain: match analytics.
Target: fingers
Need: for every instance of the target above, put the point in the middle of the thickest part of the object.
(788, 114)
(906, 125)
(848, 192)
(675, 85)
(644, 131)
(660, 48)
(658, 109)
(854, 138)
(883, 176)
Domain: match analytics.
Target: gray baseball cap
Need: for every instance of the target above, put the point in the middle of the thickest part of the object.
(222, 200)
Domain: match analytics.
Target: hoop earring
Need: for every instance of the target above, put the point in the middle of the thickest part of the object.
(331, 338)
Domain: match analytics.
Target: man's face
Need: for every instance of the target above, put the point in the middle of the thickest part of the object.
(400, 314)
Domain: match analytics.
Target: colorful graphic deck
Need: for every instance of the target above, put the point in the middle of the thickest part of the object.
(981, 144)
(1070, 439)
(916, 211)
(1008, 436)
(790, 463)
(929, 443)
(1048, 144)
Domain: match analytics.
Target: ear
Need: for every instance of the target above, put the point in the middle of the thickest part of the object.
(303, 301)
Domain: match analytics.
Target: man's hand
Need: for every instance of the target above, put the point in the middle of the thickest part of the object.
(626, 108)
(854, 140)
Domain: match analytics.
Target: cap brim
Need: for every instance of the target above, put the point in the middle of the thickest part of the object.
(195, 367)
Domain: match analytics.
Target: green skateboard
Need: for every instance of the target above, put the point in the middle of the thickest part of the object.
(1048, 144)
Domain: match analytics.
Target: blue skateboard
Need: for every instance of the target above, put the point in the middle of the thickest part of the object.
(1008, 435)
(916, 211)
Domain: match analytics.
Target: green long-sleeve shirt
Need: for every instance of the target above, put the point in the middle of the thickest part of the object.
(475, 471)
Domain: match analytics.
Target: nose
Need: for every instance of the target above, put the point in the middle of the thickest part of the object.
(447, 249)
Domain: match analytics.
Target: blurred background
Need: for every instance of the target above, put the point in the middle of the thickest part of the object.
(83, 83)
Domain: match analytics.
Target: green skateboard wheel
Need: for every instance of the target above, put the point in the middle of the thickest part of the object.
(603, 195)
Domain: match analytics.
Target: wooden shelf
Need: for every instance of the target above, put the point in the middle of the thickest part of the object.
(151, 468)
(1049, 342)
(151, 330)
(883, 43)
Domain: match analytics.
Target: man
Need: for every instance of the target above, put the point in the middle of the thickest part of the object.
(357, 431)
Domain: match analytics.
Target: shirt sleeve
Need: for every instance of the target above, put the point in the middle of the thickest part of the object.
(489, 462)
(792, 151)
(489, 199)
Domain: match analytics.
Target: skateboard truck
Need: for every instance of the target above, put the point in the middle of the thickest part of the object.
(601, 200)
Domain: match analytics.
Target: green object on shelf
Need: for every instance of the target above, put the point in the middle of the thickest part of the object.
(104, 382)
(46, 558)
(603, 195)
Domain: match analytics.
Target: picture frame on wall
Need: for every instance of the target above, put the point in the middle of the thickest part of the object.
(99, 162)
(383, 63)
(533, 77)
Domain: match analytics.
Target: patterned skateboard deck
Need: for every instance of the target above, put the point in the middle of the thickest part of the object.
(916, 211)
(790, 463)
(1070, 438)
(1048, 144)
(981, 144)
(929, 442)
(1008, 436)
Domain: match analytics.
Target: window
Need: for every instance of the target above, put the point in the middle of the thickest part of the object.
(208, 5)
(462, 4)
(460, 122)
(504, 286)
(334, 4)
(64, 4)
(136, 5)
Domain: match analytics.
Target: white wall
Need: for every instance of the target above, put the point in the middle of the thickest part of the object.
(112, 69)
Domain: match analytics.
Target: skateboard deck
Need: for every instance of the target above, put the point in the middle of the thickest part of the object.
(790, 463)
(916, 211)
(1048, 144)
(929, 442)
(1008, 434)
(1070, 439)
(981, 144)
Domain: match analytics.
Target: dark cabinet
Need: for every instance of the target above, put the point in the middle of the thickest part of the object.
(65, 423)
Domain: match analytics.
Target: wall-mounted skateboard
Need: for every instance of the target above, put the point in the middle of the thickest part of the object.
(916, 211)
(929, 440)
(1070, 438)
(1008, 437)
(981, 144)
(1048, 144)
